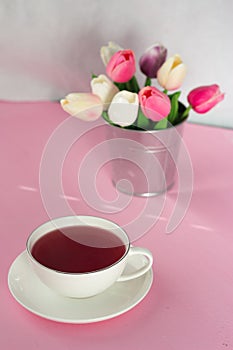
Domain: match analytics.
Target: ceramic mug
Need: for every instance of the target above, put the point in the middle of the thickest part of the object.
(85, 283)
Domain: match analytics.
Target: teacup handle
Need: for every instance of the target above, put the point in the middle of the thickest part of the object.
(138, 251)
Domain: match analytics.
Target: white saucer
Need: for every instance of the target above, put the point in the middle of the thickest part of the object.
(33, 295)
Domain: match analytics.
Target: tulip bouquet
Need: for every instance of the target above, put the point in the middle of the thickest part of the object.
(118, 98)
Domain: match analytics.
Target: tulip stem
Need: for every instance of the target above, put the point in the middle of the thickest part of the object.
(165, 91)
(147, 82)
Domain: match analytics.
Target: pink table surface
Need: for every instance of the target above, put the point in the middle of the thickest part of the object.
(190, 304)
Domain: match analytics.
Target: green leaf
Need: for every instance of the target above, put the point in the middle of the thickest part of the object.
(121, 86)
(162, 124)
(185, 114)
(132, 85)
(135, 84)
(128, 86)
(142, 121)
(93, 76)
(106, 118)
(173, 115)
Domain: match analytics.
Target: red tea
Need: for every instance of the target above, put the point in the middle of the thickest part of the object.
(78, 249)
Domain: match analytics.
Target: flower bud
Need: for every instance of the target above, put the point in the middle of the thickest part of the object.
(154, 103)
(152, 60)
(171, 74)
(85, 106)
(104, 88)
(204, 98)
(106, 52)
(123, 109)
(121, 67)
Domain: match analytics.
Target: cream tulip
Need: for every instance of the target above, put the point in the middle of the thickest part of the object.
(123, 109)
(104, 88)
(85, 106)
(106, 52)
(171, 74)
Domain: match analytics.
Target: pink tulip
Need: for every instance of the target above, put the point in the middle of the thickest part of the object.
(155, 104)
(204, 98)
(121, 67)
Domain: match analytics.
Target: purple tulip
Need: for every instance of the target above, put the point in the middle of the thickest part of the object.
(152, 60)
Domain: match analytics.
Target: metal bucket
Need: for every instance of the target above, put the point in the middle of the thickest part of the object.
(143, 163)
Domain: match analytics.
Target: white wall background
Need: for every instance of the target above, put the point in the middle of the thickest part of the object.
(49, 48)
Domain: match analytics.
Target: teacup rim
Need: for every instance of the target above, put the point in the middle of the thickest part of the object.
(76, 273)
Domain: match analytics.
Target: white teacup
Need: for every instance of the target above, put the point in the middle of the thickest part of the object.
(86, 283)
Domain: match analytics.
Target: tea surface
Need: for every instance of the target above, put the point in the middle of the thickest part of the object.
(78, 249)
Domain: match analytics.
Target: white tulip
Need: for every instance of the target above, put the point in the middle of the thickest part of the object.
(85, 106)
(106, 52)
(172, 73)
(104, 88)
(123, 109)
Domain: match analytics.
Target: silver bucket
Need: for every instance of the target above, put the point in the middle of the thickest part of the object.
(143, 163)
